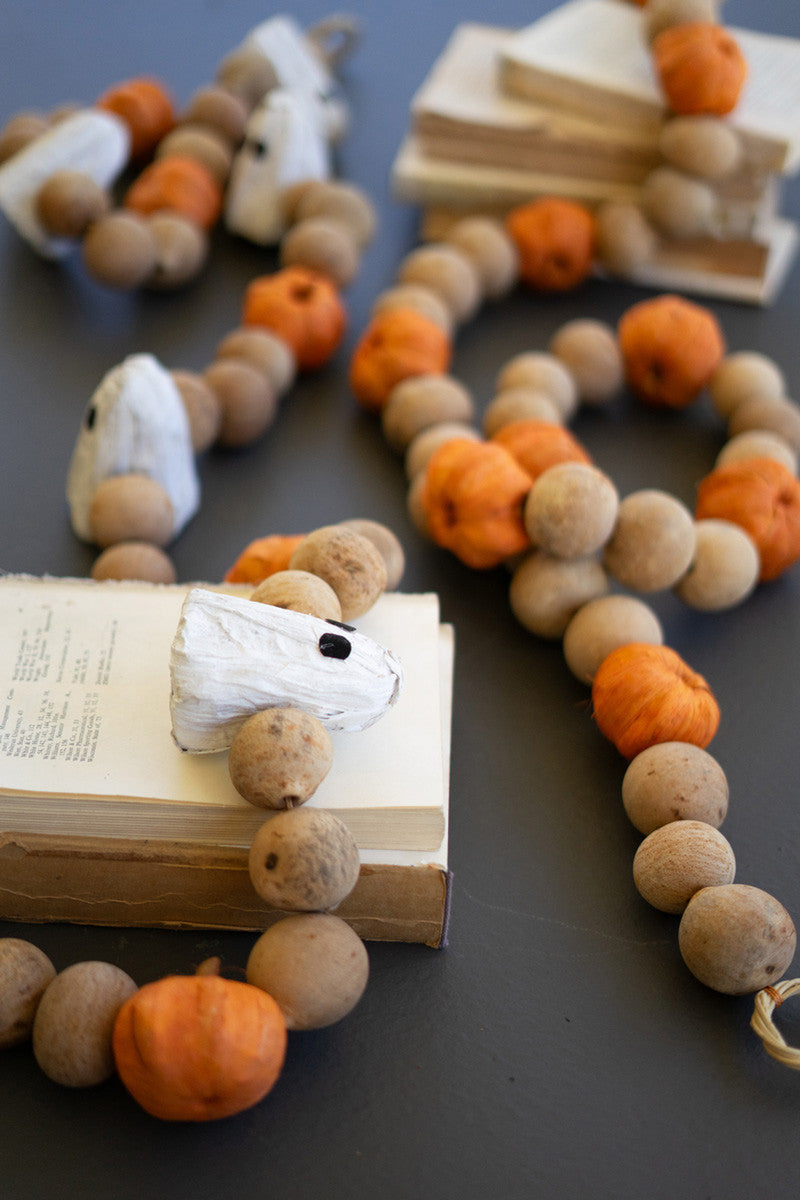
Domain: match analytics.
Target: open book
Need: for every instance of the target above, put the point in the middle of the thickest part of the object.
(92, 783)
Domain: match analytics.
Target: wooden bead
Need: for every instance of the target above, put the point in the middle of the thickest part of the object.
(220, 109)
(449, 273)
(202, 143)
(624, 237)
(415, 506)
(69, 201)
(423, 300)
(74, 1023)
(263, 350)
(602, 625)
(120, 250)
(704, 146)
(544, 373)
(304, 860)
(25, 972)
(134, 560)
(677, 204)
(203, 409)
(724, 570)
(674, 781)
(736, 938)
(340, 201)
(247, 73)
(247, 398)
(423, 446)
(487, 244)
(590, 351)
(661, 14)
(546, 592)
(571, 509)
(19, 131)
(322, 244)
(519, 404)
(775, 415)
(741, 375)
(653, 542)
(386, 543)
(416, 403)
(279, 757)
(299, 591)
(181, 251)
(675, 861)
(758, 443)
(130, 508)
(346, 560)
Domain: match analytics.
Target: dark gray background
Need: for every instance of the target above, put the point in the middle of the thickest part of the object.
(558, 1047)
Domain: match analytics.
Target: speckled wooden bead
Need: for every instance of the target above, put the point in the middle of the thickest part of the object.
(203, 408)
(120, 250)
(519, 404)
(202, 143)
(724, 570)
(219, 109)
(779, 416)
(624, 237)
(544, 373)
(386, 543)
(340, 201)
(181, 251)
(25, 972)
(674, 781)
(248, 400)
(421, 401)
(247, 73)
(425, 443)
(19, 130)
(421, 299)
(448, 272)
(494, 254)
(299, 591)
(279, 757)
(322, 244)
(571, 509)
(347, 561)
(590, 351)
(758, 443)
(134, 560)
(69, 201)
(604, 624)
(675, 861)
(130, 508)
(546, 592)
(743, 374)
(653, 542)
(264, 350)
(304, 860)
(736, 938)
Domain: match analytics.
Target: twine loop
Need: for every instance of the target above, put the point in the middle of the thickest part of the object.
(767, 1000)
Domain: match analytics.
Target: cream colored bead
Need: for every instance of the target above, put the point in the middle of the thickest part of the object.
(741, 375)
(603, 625)
(299, 591)
(758, 443)
(736, 938)
(264, 350)
(386, 543)
(134, 560)
(130, 508)
(779, 416)
(219, 109)
(340, 201)
(490, 248)
(677, 204)
(546, 592)
(625, 238)
(544, 373)
(422, 447)
(674, 781)
(181, 251)
(653, 542)
(322, 244)
(416, 403)
(421, 299)
(725, 567)
(448, 272)
(203, 408)
(590, 351)
(519, 404)
(661, 14)
(571, 509)
(201, 143)
(704, 146)
(675, 861)
(346, 560)
(248, 400)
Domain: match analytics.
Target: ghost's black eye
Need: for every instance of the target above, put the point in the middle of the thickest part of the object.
(259, 147)
(334, 645)
(341, 625)
(91, 416)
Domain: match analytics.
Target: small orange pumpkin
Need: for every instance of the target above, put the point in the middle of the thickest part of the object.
(264, 557)
(644, 693)
(146, 108)
(180, 184)
(301, 306)
(555, 240)
(396, 345)
(537, 445)
(199, 1047)
(761, 496)
(701, 68)
(472, 497)
(671, 348)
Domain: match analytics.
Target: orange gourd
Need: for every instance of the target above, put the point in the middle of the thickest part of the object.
(555, 240)
(264, 557)
(762, 497)
(301, 306)
(472, 497)
(701, 68)
(537, 445)
(396, 345)
(643, 694)
(671, 348)
(199, 1047)
(146, 108)
(180, 184)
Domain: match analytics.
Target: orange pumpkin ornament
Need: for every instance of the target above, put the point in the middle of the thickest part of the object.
(301, 306)
(199, 1047)
(396, 345)
(472, 497)
(555, 240)
(264, 557)
(671, 348)
(701, 68)
(146, 108)
(537, 445)
(762, 496)
(643, 694)
(180, 184)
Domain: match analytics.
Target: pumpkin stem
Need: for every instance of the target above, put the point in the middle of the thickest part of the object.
(210, 966)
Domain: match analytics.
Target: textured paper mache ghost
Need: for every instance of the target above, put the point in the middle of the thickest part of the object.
(135, 422)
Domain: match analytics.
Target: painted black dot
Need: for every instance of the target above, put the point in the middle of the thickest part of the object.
(334, 645)
(260, 148)
(91, 416)
(341, 625)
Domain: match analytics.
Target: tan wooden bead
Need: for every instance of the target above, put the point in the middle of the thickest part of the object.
(69, 201)
(700, 145)
(661, 14)
(120, 251)
(590, 351)
(73, 1026)
(775, 415)
(247, 397)
(264, 350)
(677, 204)
(181, 251)
(546, 592)
(304, 860)
(387, 543)
(247, 73)
(519, 404)
(130, 508)
(448, 272)
(653, 542)
(674, 781)
(571, 509)
(19, 130)
(25, 972)
(414, 505)
(758, 443)
(421, 299)
(492, 251)
(741, 375)
(425, 443)
(542, 372)
(322, 244)
(603, 625)
(736, 938)
(724, 570)
(218, 108)
(346, 560)
(421, 401)
(340, 201)
(279, 757)
(624, 237)
(675, 861)
(299, 591)
(203, 409)
(201, 143)
(134, 560)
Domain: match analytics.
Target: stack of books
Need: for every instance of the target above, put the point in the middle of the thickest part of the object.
(570, 106)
